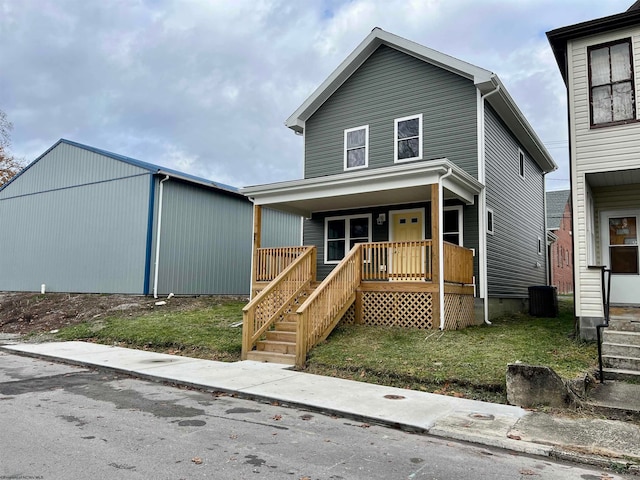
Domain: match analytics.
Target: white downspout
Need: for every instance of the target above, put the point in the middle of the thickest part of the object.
(482, 208)
(158, 231)
(441, 246)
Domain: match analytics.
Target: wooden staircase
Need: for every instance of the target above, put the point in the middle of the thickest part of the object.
(621, 345)
(279, 344)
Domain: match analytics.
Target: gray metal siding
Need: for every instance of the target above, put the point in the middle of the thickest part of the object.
(87, 238)
(205, 245)
(280, 229)
(390, 85)
(68, 166)
(518, 208)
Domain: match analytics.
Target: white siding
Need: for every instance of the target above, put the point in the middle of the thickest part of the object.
(595, 150)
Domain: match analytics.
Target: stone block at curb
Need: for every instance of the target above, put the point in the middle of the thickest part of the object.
(534, 385)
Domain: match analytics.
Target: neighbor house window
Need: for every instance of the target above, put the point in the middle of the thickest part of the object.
(489, 221)
(342, 233)
(356, 147)
(408, 138)
(611, 88)
(521, 163)
(452, 225)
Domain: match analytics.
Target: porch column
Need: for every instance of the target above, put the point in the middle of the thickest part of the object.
(257, 234)
(435, 252)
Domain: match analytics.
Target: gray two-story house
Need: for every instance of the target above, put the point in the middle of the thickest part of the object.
(423, 194)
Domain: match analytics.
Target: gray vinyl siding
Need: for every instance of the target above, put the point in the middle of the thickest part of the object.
(205, 243)
(518, 209)
(84, 238)
(391, 85)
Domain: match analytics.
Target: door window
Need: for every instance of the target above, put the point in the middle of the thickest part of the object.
(623, 245)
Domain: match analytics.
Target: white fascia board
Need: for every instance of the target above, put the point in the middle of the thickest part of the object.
(379, 179)
(369, 45)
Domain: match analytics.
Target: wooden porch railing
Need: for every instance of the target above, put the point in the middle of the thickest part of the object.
(327, 304)
(266, 307)
(458, 264)
(401, 261)
(270, 262)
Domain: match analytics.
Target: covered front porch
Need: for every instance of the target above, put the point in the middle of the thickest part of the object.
(410, 281)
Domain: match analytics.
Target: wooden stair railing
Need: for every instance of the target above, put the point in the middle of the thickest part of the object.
(271, 303)
(324, 308)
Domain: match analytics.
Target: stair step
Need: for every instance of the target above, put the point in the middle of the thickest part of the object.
(276, 347)
(620, 350)
(281, 336)
(621, 337)
(621, 374)
(284, 326)
(271, 357)
(623, 363)
(624, 324)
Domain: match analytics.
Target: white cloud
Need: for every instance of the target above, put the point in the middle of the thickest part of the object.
(205, 86)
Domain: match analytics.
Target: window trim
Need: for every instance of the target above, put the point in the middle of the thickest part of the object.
(347, 238)
(395, 138)
(521, 163)
(540, 246)
(590, 48)
(490, 213)
(460, 222)
(366, 147)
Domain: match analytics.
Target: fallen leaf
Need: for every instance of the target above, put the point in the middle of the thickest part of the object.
(277, 417)
(365, 425)
(526, 471)
(196, 460)
(513, 436)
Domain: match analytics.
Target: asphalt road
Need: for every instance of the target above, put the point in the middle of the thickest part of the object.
(65, 422)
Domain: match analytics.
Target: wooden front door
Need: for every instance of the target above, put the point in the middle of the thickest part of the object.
(408, 262)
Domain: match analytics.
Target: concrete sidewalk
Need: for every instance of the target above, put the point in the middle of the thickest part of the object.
(604, 443)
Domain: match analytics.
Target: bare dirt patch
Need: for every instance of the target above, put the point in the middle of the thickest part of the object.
(33, 313)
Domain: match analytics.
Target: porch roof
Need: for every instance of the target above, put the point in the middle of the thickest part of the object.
(614, 178)
(407, 183)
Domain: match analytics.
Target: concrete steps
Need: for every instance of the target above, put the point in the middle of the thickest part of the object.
(621, 348)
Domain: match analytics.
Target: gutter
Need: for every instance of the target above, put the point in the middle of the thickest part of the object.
(482, 210)
(158, 232)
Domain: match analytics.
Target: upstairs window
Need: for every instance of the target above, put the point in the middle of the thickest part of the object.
(356, 147)
(611, 87)
(521, 163)
(408, 138)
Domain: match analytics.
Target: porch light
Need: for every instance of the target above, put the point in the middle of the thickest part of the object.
(381, 218)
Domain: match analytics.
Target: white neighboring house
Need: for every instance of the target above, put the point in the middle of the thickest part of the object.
(600, 63)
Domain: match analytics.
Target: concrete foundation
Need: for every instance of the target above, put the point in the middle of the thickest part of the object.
(587, 327)
(503, 306)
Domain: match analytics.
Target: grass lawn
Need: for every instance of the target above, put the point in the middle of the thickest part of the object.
(470, 363)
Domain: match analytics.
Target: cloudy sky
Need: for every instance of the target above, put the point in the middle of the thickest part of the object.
(204, 86)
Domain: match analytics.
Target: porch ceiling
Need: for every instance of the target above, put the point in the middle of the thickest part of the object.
(394, 185)
(614, 178)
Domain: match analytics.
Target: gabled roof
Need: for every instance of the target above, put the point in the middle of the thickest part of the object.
(155, 169)
(484, 80)
(556, 203)
(558, 38)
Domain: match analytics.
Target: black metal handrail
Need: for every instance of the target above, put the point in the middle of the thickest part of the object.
(606, 292)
